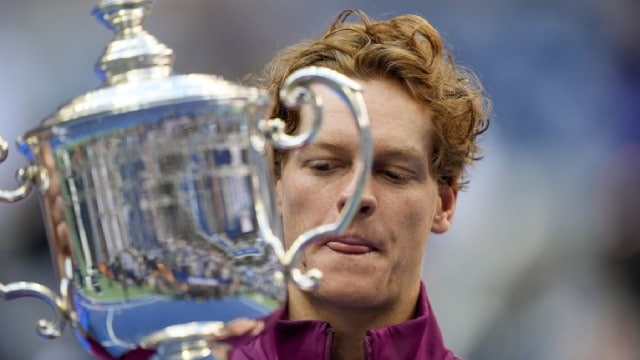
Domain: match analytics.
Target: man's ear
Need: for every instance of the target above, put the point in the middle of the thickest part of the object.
(445, 208)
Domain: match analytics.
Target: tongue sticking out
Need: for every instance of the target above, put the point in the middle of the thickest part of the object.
(352, 249)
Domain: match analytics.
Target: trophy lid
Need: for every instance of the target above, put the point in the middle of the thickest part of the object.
(136, 70)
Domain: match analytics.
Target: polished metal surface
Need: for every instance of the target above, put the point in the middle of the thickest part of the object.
(26, 178)
(46, 328)
(158, 200)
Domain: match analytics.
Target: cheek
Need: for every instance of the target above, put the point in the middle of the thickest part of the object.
(295, 198)
(302, 196)
(414, 223)
(412, 231)
(300, 208)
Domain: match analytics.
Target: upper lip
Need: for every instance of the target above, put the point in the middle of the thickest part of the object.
(353, 239)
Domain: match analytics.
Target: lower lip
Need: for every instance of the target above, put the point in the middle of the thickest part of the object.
(350, 249)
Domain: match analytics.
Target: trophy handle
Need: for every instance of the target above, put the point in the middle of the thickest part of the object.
(27, 177)
(294, 93)
(60, 305)
(45, 328)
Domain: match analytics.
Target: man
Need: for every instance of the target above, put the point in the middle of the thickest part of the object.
(425, 113)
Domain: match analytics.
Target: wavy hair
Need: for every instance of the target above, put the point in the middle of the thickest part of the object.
(406, 48)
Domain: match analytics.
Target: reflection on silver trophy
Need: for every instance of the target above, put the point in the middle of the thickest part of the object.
(157, 198)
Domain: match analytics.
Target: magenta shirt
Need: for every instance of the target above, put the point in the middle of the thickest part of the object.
(418, 338)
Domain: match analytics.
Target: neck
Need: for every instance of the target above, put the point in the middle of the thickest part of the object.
(350, 323)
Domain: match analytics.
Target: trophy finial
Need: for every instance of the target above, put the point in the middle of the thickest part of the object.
(133, 54)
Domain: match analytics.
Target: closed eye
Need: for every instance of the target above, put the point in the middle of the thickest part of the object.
(394, 176)
(324, 167)
(321, 166)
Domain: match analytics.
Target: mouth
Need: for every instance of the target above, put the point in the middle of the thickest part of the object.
(351, 245)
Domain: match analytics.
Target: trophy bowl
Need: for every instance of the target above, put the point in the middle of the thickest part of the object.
(158, 200)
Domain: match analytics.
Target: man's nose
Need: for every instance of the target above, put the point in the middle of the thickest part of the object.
(368, 202)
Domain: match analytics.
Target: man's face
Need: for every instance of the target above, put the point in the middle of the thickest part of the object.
(378, 261)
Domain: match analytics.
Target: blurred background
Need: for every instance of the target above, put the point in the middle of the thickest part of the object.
(543, 260)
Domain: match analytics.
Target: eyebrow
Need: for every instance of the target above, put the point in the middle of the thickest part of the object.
(331, 146)
(381, 151)
(400, 151)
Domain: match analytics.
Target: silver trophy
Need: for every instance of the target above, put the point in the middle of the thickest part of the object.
(158, 201)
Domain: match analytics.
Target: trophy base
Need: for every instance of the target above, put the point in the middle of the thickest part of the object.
(212, 330)
(191, 341)
(191, 349)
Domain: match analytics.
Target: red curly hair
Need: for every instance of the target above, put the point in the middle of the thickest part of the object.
(406, 48)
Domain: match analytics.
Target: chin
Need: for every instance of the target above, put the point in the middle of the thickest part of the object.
(348, 290)
(352, 281)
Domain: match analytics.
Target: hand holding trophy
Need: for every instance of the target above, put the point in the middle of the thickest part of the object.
(158, 200)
